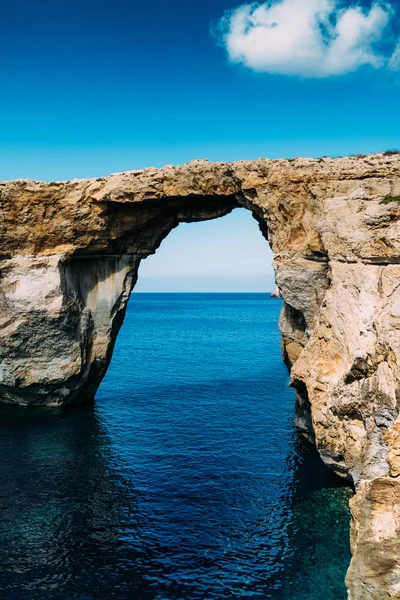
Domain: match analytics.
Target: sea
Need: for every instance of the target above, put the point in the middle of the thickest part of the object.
(186, 479)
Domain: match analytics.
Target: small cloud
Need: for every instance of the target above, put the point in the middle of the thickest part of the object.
(309, 38)
(394, 63)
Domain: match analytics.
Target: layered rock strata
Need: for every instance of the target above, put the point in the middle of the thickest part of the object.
(70, 254)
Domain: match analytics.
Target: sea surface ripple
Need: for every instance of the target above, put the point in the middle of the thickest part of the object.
(186, 480)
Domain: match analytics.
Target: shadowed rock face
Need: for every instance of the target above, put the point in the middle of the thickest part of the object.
(69, 257)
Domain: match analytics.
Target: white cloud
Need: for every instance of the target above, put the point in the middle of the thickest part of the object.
(310, 38)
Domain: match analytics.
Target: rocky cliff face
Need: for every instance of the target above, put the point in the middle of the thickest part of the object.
(69, 257)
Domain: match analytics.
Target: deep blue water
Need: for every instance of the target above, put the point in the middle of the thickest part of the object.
(186, 480)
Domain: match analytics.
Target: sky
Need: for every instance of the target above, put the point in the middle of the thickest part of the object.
(222, 255)
(92, 87)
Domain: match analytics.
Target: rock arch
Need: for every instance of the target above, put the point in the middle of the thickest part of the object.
(69, 255)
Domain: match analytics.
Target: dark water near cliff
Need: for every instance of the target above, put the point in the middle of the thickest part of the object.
(186, 480)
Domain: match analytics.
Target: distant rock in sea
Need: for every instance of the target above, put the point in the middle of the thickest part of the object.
(276, 293)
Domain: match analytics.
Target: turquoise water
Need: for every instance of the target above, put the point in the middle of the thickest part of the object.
(186, 480)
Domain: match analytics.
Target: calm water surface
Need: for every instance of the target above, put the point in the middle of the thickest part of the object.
(187, 480)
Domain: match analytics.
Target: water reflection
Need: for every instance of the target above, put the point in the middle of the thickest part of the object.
(73, 525)
(63, 508)
(318, 530)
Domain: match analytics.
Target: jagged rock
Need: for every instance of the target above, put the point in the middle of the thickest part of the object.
(69, 257)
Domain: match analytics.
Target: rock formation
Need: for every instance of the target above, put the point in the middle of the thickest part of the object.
(69, 257)
(275, 293)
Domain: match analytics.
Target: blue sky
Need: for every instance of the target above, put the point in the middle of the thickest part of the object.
(94, 87)
(221, 255)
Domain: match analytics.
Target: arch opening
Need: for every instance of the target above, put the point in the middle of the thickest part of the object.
(204, 395)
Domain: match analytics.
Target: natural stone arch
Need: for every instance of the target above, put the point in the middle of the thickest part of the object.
(101, 284)
(69, 254)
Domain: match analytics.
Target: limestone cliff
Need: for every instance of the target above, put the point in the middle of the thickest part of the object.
(69, 257)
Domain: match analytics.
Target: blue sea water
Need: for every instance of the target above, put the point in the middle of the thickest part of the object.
(186, 480)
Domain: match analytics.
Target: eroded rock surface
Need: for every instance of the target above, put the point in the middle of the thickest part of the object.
(69, 257)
